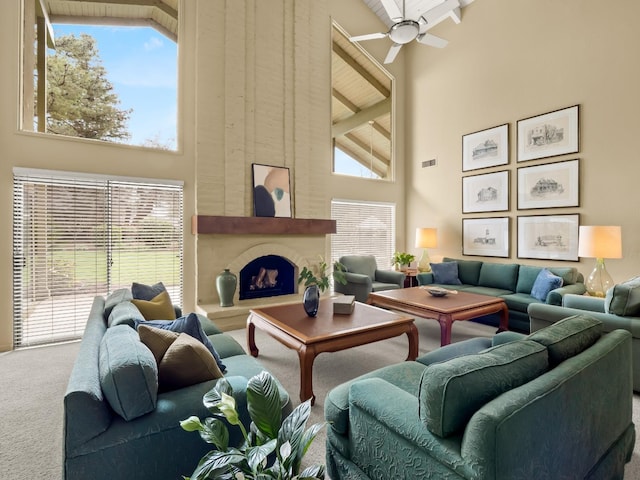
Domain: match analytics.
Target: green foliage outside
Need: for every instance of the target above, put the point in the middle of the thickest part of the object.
(81, 101)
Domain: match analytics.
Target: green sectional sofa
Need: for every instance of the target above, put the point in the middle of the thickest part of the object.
(511, 281)
(542, 316)
(554, 404)
(109, 436)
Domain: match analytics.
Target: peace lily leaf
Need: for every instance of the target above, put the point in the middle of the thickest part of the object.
(263, 403)
(213, 396)
(214, 431)
(257, 456)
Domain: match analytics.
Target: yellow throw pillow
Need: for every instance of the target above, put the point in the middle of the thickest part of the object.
(186, 362)
(158, 308)
(157, 340)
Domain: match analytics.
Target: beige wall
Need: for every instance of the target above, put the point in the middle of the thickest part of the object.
(511, 60)
(254, 87)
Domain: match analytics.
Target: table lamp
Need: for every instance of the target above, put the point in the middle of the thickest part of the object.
(599, 242)
(426, 238)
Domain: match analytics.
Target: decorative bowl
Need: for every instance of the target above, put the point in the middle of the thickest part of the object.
(437, 292)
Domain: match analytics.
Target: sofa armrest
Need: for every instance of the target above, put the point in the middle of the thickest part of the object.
(555, 295)
(584, 302)
(359, 278)
(424, 278)
(380, 406)
(390, 276)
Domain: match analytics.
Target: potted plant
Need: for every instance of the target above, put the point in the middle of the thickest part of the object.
(316, 281)
(400, 259)
(271, 449)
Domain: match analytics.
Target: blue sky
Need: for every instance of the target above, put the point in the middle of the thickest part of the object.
(141, 64)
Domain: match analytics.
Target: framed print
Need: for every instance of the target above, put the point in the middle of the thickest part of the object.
(548, 135)
(486, 148)
(487, 237)
(488, 192)
(549, 185)
(271, 191)
(549, 237)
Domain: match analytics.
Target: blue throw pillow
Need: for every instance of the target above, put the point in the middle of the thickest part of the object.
(189, 325)
(445, 273)
(545, 282)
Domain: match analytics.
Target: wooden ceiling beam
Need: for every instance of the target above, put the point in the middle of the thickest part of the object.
(361, 117)
(115, 21)
(375, 83)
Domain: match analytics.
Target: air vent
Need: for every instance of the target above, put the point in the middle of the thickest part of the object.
(429, 163)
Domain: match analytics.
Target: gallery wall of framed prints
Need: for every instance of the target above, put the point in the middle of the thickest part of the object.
(551, 181)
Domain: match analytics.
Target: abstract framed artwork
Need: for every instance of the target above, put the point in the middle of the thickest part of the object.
(271, 191)
(548, 135)
(486, 148)
(487, 237)
(549, 185)
(488, 192)
(549, 237)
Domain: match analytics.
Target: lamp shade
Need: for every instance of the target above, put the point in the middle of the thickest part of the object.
(426, 237)
(600, 241)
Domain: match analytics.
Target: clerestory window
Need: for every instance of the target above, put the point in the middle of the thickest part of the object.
(361, 111)
(102, 70)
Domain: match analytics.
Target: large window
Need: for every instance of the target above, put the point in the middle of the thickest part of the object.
(101, 71)
(361, 111)
(78, 236)
(364, 228)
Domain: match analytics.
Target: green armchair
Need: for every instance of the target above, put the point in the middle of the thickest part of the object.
(363, 277)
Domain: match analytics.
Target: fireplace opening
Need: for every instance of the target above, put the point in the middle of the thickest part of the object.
(267, 276)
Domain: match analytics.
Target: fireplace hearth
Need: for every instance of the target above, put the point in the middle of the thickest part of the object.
(267, 276)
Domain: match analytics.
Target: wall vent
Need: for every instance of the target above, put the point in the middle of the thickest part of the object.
(429, 163)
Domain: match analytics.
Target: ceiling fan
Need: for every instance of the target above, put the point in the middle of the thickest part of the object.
(405, 30)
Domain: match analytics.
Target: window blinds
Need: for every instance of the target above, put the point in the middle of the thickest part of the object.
(364, 228)
(78, 236)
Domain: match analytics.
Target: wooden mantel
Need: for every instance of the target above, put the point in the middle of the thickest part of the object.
(260, 225)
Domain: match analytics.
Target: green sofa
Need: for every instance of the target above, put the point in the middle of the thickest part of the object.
(512, 282)
(100, 444)
(542, 316)
(554, 404)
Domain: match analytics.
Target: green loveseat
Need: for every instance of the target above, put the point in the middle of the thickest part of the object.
(100, 444)
(542, 316)
(512, 282)
(554, 404)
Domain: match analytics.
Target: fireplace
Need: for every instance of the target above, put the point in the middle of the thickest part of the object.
(267, 276)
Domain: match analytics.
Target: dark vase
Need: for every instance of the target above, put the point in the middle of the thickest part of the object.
(311, 300)
(226, 286)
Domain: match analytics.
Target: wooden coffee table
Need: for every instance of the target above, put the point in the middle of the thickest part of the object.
(310, 336)
(461, 306)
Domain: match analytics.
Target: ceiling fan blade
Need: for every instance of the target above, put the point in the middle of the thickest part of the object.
(432, 40)
(393, 52)
(369, 36)
(436, 13)
(392, 9)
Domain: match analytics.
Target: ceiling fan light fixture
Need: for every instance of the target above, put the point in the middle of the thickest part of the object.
(404, 32)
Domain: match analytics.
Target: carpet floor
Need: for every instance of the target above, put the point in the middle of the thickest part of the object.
(33, 382)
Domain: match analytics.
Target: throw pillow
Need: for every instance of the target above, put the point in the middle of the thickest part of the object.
(545, 282)
(568, 337)
(445, 273)
(125, 313)
(451, 392)
(158, 308)
(624, 299)
(114, 298)
(190, 325)
(186, 362)
(128, 373)
(146, 292)
(157, 340)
